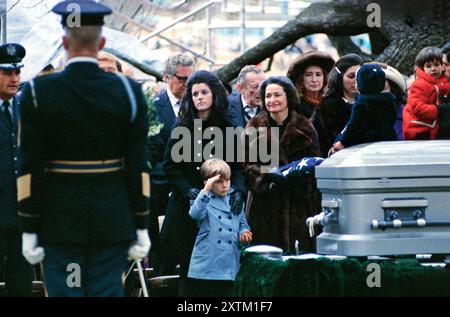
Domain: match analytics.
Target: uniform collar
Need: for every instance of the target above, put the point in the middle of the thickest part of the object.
(82, 59)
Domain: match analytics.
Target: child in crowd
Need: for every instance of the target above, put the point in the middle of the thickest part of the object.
(420, 115)
(215, 257)
(374, 112)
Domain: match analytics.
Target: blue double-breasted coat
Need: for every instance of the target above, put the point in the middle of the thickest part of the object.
(216, 251)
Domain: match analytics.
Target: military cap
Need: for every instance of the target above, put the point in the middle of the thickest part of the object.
(11, 55)
(90, 13)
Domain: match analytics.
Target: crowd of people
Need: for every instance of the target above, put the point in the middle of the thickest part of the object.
(319, 107)
(83, 182)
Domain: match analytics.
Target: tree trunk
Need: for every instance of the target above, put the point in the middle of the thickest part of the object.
(406, 28)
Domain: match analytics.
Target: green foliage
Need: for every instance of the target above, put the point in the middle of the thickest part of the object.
(154, 125)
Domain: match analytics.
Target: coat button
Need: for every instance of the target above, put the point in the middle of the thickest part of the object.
(229, 242)
(220, 229)
(219, 242)
(229, 217)
(231, 230)
(198, 168)
(220, 217)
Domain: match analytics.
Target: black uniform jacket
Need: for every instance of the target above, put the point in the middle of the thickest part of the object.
(83, 114)
(9, 163)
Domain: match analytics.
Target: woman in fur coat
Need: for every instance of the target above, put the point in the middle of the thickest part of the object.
(277, 211)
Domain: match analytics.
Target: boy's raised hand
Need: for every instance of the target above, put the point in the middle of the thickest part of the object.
(209, 182)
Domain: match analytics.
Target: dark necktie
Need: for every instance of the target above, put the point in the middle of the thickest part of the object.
(6, 112)
(248, 113)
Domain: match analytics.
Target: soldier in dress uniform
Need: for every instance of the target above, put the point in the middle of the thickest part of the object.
(83, 195)
(14, 270)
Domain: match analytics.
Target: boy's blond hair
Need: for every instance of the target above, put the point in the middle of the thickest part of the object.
(215, 166)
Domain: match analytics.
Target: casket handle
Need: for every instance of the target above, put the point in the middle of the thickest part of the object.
(329, 215)
(397, 223)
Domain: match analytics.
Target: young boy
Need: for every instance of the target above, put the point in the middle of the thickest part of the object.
(374, 112)
(215, 258)
(420, 115)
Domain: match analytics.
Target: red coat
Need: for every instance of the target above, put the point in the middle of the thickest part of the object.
(421, 113)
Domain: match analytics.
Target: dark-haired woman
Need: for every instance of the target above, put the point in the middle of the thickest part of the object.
(339, 97)
(277, 211)
(203, 108)
(309, 74)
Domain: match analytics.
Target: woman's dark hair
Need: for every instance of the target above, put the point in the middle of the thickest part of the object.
(428, 54)
(188, 112)
(288, 88)
(335, 87)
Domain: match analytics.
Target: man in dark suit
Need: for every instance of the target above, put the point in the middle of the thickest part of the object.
(83, 196)
(244, 105)
(14, 269)
(167, 105)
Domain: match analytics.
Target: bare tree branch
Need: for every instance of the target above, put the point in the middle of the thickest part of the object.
(345, 45)
(322, 17)
(406, 27)
(143, 67)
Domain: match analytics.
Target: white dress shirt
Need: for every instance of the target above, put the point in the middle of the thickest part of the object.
(174, 101)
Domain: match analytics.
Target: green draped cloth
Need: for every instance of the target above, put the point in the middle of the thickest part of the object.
(261, 277)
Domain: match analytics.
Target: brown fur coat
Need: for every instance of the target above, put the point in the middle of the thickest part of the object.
(278, 218)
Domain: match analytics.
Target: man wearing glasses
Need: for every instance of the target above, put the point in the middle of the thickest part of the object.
(244, 105)
(176, 72)
(167, 105)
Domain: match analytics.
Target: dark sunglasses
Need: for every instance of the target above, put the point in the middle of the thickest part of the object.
(180, 78)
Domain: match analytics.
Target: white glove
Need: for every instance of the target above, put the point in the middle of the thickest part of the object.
(316, 220)
(30, 250)
(141, 246)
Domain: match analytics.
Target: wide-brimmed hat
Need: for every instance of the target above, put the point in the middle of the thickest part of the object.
(316, 58)
(396, 77)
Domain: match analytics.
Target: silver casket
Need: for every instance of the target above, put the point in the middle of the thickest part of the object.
(386, 198)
